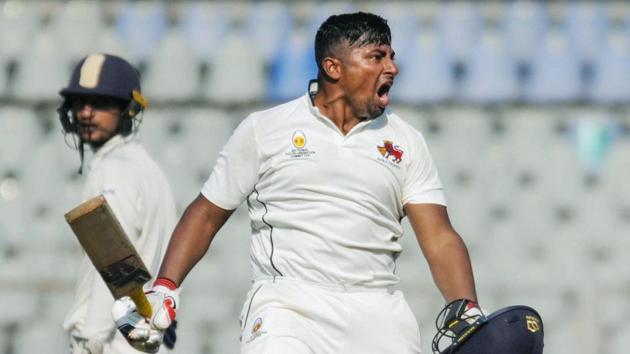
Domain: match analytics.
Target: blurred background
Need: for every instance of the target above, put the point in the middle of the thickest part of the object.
(525, 106)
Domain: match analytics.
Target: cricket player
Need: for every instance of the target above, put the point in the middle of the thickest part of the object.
(100, 107)
(327, 179)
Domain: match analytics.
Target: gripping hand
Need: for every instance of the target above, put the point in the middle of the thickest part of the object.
(457, 321)
(147, 334)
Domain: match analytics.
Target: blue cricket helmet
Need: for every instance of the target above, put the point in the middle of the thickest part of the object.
(511, 330)
(103, 75)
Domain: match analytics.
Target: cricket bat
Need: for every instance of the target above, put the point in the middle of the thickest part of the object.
(102, 237)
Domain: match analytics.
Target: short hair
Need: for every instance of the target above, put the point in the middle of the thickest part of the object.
(355, 29)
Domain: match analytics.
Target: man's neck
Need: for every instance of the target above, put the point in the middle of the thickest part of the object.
(103, 145)
(332, 103)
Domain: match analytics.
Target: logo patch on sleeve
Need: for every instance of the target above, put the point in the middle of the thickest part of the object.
(256, 330)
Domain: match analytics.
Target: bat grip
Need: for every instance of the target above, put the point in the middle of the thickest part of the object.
(142, 303)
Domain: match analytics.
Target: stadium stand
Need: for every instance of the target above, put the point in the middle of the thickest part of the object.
(491, 76)
(587, 25)
(204, 24)
(173, 74)
(42, 70)
(405, 25)
(291, 69)
(246, 85)
(555, 71)
(142, 26)
(427, 69)
(524, 23)
(611, 81)
(276, 19)
(19, 21)
(76, 26)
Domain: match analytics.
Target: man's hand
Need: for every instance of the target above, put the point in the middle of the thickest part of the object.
(135, 328)
(147, 334)
(457, 321)
(461, 313)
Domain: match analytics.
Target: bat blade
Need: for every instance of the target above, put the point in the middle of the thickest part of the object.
(104, 240)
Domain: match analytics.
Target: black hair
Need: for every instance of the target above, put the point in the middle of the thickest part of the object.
(355, 29)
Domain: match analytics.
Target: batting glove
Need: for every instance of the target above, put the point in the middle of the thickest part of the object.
(461, 314)
(457, 321)
(147, 334)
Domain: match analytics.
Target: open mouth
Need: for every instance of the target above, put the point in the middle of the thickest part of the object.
(383, 94)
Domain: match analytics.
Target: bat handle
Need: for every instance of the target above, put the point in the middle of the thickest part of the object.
(142, 303)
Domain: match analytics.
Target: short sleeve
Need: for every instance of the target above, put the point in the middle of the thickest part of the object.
(422, 183)
(236, 170)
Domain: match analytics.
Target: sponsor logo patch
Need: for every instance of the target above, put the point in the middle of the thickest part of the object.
(299, 139)
(299, 150)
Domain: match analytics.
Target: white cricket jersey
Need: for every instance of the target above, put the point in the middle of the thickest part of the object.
(141, 198)
(325, 207)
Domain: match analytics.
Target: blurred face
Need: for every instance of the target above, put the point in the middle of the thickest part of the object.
(98, 118)
(368, 73)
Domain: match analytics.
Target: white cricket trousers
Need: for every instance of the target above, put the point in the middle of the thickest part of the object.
(287, 316)
(116, 345)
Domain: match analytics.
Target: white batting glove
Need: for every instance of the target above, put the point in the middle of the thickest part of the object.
(469, 311)
(147, 334)
(164, 299)
(460, 314)
(455, 323)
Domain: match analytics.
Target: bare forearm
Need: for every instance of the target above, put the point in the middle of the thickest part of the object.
(191, 238)
(451, 267)
(444, 250)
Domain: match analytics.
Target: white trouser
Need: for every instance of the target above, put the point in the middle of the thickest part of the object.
(117, 345)
(285, 316)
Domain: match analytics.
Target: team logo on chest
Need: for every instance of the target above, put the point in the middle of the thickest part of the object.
(390, 152)
(299, 149)
(299, 139)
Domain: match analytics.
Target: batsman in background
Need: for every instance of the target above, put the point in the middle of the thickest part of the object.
(327, 178)
(100, 107)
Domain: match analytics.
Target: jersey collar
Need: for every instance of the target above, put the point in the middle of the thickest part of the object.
(317, 114)
(110, 145)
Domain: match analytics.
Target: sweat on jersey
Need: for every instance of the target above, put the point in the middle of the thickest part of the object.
(141, 198)
(325, 207)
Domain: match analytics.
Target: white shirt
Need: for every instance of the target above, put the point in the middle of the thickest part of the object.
(324, 207)
(141, 198)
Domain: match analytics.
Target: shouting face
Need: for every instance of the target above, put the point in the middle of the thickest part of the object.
(367, 74)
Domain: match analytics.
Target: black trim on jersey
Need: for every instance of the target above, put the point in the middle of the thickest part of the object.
(270, 231)
(249, 307)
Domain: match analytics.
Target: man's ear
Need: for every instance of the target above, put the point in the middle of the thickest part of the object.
(332, 67)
